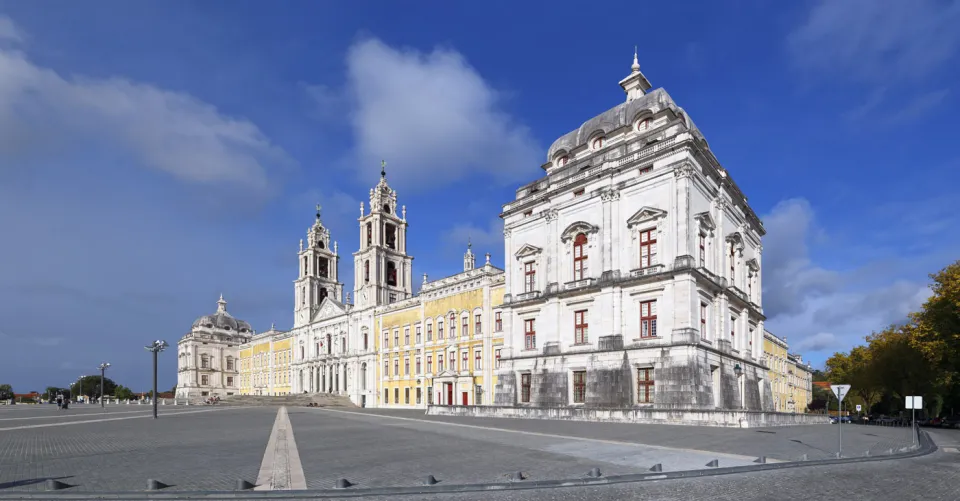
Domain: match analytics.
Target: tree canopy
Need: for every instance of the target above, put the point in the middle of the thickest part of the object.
(6, 391)
(89, 386)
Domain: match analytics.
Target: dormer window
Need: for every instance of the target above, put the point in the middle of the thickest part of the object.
(597, 143)
(643, 125)
(562, 161)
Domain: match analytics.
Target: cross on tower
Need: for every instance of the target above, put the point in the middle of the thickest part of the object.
(383, 168)
(318, 211)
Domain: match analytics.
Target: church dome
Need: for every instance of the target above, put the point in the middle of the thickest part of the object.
(222, 320)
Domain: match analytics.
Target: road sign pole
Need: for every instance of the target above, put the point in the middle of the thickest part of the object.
(840, 425)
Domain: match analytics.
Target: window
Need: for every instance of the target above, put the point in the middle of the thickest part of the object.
(464, 361)
(418, 366)
(366, 271)
(440, 329)
(229, 363)
(301, 353)
(396, 367)
(497, 322)
(477, 362)
(496, 355)
(369, 237)
(597, 143)
(733, 270)
(429, 364)
(579, 386)
(396, 337)
(525, 388)
(703, 320)
(453, 326)
(453, 360)
(406, 395)
(580, 327)
(343, 344)
(648, 248)
(406, 366)
(386, 339)
(733, 328)
(528, 213)
(579, 257)
(392, 298)
(386, 396)
(529, 277)
(391, 234)
(703, 250)
(429, 332)
(478, 395)
(578, 193)
(386, 368)
(204, 362)
(391, 273)
(529, 335)
(324, 266)
(406, 336)
(204, 379)
(317, 347)
(562, 161)
(643, 125)
(396, 395)
(644, 386)
(648, 319)
(465, 326)
(229, 381)
(476, 325)
(365, 342)
(418, 334)
(440, 362)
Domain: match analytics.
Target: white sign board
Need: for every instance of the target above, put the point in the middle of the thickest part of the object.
(840, 390)
(858, 407)
(915, 402)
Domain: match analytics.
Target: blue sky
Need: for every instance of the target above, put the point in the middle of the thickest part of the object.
(155, 155)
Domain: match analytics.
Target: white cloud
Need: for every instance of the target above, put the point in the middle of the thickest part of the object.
(489, 239)
(166, 131)
(820, 341)
(431, 116)
(877, 41)
(9, 30)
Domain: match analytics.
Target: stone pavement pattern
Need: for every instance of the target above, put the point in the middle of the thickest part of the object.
(208, 448)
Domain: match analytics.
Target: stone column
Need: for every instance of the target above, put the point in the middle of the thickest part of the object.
(552, 257)
(683, 174)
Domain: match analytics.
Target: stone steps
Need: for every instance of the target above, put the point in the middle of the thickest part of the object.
(301, 400)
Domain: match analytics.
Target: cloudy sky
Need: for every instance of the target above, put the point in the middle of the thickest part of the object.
(155, 155)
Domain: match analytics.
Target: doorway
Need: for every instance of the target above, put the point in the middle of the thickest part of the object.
(449, 393)
(465, 397)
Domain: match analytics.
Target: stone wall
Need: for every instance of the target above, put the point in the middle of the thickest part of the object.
(697, 417)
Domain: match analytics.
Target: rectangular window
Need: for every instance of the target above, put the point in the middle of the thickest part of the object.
(440, 362)
(386, 339)
(496, 354)
(529, 277)
(497, 322)
(529, 335)
(429, 395)
(229, 381)
(703, 320)
(464, 361)
(465, 326)
(648, 319)
(418, 366)
(406, 366)
(477, 330)
(396, 337)
(439, 330)
(406, 336)
(580, 327)
(703, 250)
(386, 396)
(528, 213)
(429, 364)
(733, 269)
(477, 363)
(579, 387)
(578, 193)
(579, 257)
(644, 386)
(396, 367)
(648, 248)
(453, 360)
(396, 395)
(418, 334)
(406, 395)
(429, 332)
(204, 380)
(386, 368)
(525, 388)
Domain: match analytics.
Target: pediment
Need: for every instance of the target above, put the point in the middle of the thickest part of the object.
(527, 250)
(329, 308)
(705, 220)
(645, 215)
(753, 264)
(577, 228)
(446, 373)
(736, 239)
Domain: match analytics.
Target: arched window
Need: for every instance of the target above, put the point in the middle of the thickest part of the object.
(323, 294)
(597, 143)
(562, 161)
(453, 325)
(580, 257)
(391, 273)
(643, 125)
(366, 271)
(369, 234)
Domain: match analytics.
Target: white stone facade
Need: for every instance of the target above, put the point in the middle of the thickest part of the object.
(633, 270)
(208, 356)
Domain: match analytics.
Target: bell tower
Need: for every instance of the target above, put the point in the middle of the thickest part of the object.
(384, 271)
(319, 276)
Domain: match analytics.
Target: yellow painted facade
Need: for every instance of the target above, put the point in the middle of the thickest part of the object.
(265, 364)
(801, 382)
(775, 352)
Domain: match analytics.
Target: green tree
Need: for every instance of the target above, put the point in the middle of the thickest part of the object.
(937, 324)
(89, 386)
(6, 392)
(123, 393)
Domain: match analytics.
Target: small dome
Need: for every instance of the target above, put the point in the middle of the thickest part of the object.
(222, 320)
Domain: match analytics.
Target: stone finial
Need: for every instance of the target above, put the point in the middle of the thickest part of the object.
(361, 209)
(488, 259)
(318, 212)
(424, 278)
(383, 169)
(221, 305)
(635, 67)
(301, 245)
(403, 211)
(348, 298)
(335, 247)
(273, 326)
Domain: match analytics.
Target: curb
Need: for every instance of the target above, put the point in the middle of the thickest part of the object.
(927, 446)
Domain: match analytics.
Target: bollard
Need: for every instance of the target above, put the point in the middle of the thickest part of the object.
(243, 485)
(163, 402)
(761, 460)
(713, 464)
(56, 485)
(517, 476)
(430, 480)
(594, 472)
(657, 467)
(343, 483)
(155, 485)
(128, 401)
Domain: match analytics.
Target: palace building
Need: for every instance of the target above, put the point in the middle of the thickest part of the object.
(207, 356)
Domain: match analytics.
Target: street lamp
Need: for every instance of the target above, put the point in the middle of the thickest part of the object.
(739, 372)
(79, 388)
(156, 347)
(103, 369)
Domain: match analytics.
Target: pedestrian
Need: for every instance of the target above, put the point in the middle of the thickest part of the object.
(59, 401)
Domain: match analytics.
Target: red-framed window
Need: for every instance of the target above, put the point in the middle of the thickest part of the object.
(477, 362)
(497, 322)
(644, 386)
(648, 248)
(406, 336)
(525, 388)
(598, 143)
(429, 332)
(453, 326)
(579, 387)
(477, 327)
(578, 193)
(648, 319)
(529, 277)
(440, 329)
(440, 362)
(418, 334)
(496, 357)
(465, 326)
(465, 361)
(579, 256)
(703, 250)
(529, 334)
(429, 364)
(453, 360)
(418, 366)
(643, 125)
(703, 320)
(580, 327)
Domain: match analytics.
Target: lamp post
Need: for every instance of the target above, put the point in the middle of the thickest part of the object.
(739, 372)
(155, 348)
(79, 388)
(103, 369)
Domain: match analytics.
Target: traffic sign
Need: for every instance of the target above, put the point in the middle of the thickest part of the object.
(840, 390)
(858, 407)
(915, 402)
